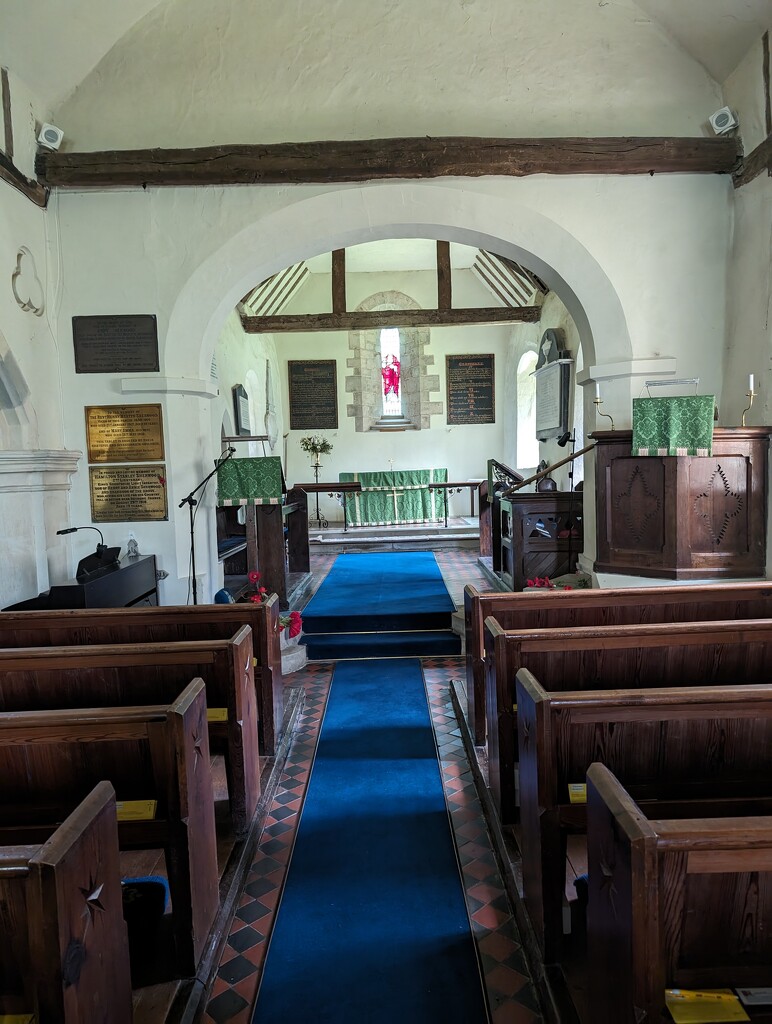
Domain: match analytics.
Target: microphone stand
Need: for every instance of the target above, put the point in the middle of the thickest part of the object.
(190, 501)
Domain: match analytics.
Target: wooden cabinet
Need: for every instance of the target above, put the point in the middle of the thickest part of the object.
(683, 517)
(540, 535)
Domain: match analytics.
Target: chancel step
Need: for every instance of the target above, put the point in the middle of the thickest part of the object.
(410, 644)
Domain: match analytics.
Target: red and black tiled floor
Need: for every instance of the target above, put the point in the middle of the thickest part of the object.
(511, 996)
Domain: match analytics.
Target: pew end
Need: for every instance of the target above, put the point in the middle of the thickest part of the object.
(64, 954)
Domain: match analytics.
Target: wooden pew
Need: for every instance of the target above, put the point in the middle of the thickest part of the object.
(64, 954)
(672, 903)
(552, 609)
(682, 654)
(50, 759)
(47, 678)
(163, 625)
(668, 744)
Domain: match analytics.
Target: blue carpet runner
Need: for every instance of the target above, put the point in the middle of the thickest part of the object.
(386, 599)
(372, 927)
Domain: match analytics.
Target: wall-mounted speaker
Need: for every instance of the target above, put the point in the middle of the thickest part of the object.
(723, 121)
(50, 136)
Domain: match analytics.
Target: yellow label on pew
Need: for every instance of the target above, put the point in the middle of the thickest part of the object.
(217, 714)
(708, 1006)
(577, 792)
(135, 810)
(17, 1018)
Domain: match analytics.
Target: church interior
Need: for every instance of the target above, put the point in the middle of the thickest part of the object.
(385, 396)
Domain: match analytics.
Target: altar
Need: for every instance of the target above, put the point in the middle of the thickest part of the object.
(396, 497)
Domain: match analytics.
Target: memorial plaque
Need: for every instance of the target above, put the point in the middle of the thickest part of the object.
(128, 494)
(124, 433)
(552, 399)
(471, 388)
(115, 344)
(313, 394)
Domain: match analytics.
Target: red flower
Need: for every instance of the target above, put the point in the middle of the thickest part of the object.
(568, 588)
(295, 628)
(255, 598)
(253, 576)
(262, 590)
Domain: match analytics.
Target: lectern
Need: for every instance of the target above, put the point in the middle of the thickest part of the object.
(686, 516)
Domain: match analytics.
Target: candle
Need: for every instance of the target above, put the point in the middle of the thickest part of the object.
(750, 382)
(597, 391)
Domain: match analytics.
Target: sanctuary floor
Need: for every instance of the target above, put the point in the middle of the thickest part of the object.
(510, 992)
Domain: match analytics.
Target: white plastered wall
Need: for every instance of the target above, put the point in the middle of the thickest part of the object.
(639, 263)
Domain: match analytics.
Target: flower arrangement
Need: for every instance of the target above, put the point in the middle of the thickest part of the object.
(315, 445)
(291, 621)
(546, 583)
(259, 593)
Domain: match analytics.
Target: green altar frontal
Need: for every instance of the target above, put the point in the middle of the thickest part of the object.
(399, 496)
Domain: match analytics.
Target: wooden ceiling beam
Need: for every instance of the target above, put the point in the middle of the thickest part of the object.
(376, 319)
(379, 159)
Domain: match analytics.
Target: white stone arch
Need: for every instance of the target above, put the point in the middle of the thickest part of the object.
(349, 216)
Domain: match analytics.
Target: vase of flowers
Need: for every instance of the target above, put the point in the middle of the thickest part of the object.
(315, 445)
(290, 629)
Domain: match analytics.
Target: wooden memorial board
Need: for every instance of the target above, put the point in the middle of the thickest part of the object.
(124, 433)
(115, 344)
(313, 394)
(471, 388)
(128, 494)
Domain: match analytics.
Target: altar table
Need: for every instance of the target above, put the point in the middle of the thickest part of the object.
(400, 496)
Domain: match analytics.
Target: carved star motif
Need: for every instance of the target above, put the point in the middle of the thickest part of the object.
(91, 895)
(197, 749)
(607, 884)
(637, 504)
(718, 504)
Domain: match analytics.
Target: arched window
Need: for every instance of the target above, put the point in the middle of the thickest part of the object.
(391, 363)
(527, 445)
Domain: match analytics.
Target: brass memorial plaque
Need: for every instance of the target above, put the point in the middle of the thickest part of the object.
(124, 433)
(128, 494)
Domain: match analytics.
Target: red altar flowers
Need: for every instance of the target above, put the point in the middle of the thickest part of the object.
(258, 595)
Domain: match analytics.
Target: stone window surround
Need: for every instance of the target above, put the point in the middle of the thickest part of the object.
(363, 382)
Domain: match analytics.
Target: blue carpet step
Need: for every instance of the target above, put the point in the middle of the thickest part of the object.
(410, 618)
(408, 644)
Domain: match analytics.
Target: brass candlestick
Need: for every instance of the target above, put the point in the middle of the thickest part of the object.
(598, 403)
(750, 395)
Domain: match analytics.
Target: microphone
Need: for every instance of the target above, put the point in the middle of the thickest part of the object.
(231, 451)
(74, 529)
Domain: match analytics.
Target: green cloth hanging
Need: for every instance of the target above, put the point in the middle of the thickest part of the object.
(251, 482)
(399, 496)
(673, 426)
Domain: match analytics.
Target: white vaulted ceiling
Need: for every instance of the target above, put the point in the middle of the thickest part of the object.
(211, 71)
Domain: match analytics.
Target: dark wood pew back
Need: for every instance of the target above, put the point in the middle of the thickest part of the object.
(606, 657)
(673, 745)
(50, 760)
(164, 625)
(47, 678)
(552, 609)
(672, 903)
(64, 953)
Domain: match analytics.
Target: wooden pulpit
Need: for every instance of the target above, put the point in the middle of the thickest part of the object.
(686, 516)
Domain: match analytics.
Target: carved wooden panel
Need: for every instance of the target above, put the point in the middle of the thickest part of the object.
(719, 490)
(636, 510)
